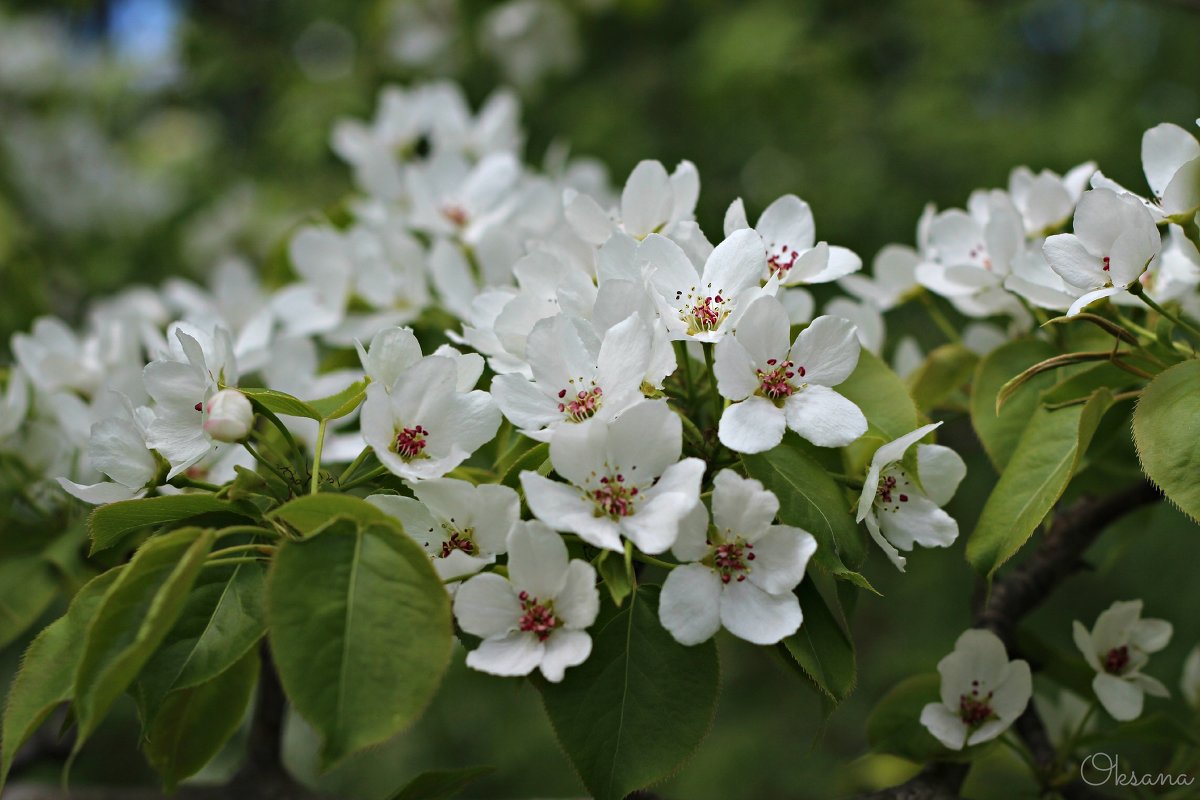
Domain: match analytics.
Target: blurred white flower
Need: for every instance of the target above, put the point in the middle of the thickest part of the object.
(1118, 647)
(982, 692)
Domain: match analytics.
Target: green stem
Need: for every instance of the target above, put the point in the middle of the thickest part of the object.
(355, 464)
(252, 530)
(283, 429)
(718, 401)
(181, 482)
(370, 476)
(1077, 734)
(1137, 290)
(939, 318)
(685, 368)
(652, 560)
(220, 562)
(257, 457)
(1021, 752)
(316, 472)
(262, 549)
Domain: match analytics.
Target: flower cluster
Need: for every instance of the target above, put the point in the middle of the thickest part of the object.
(497, 309)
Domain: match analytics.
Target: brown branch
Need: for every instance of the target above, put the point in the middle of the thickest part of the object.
(1058, 554)
(1016, 594)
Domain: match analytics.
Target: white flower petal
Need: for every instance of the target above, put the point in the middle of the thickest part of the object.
(1121, 699)
(564, 648)
(754, 425)
(741, 506)
(945, 725)
(647, 199)
(689, 607)
(751, 614)
(942, 470)
(515, 654)
(827, 350)
(578, 602)
(486, 606)
(780, 558)
(824, 417)
(537, 560)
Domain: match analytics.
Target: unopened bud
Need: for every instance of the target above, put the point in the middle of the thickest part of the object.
(229, 416)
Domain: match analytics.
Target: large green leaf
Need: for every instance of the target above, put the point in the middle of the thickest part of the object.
(137, 613)
(47, 672)
(1046, 458)
(441, 784)
(28, 584)
(884, 399)
(360, 630)
(310, 514)
(1166, 429)
(195, 723)
(111, 523)
(821, 649)
(223, 618)
(639, 706)
(810, 499)
(945, 370)
(999, 433)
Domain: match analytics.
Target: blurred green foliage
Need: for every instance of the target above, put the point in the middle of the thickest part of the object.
(868, 110)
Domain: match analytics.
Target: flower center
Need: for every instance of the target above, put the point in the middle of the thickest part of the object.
(1117, 660)
(973, 709)
(455, 213)
(776, 384)
(583, 405)
(892, 491)
(537, 617)
(731, 560)
(410, 443)
(779, 264)
(463, 540)
(614, 499)
(980, 252)
(702, 313)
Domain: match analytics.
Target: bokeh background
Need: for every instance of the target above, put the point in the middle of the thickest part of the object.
(141, 139)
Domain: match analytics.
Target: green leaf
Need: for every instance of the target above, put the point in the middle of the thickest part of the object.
(310, 514)
(894, 725)
(339, 405)
(616, 578)
(821, 649)
(47, 673)
(531, 459)
(639, 706)
(281, 403)
(195, 723)
(360, 630)
(884, 399)
(1045, 460)
(137, 613)
(441, 784)
(1166, 428)
(945, 370)
(223, 618)
(28, 584)
(810, 499)
(999, 433)
(111, 523)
